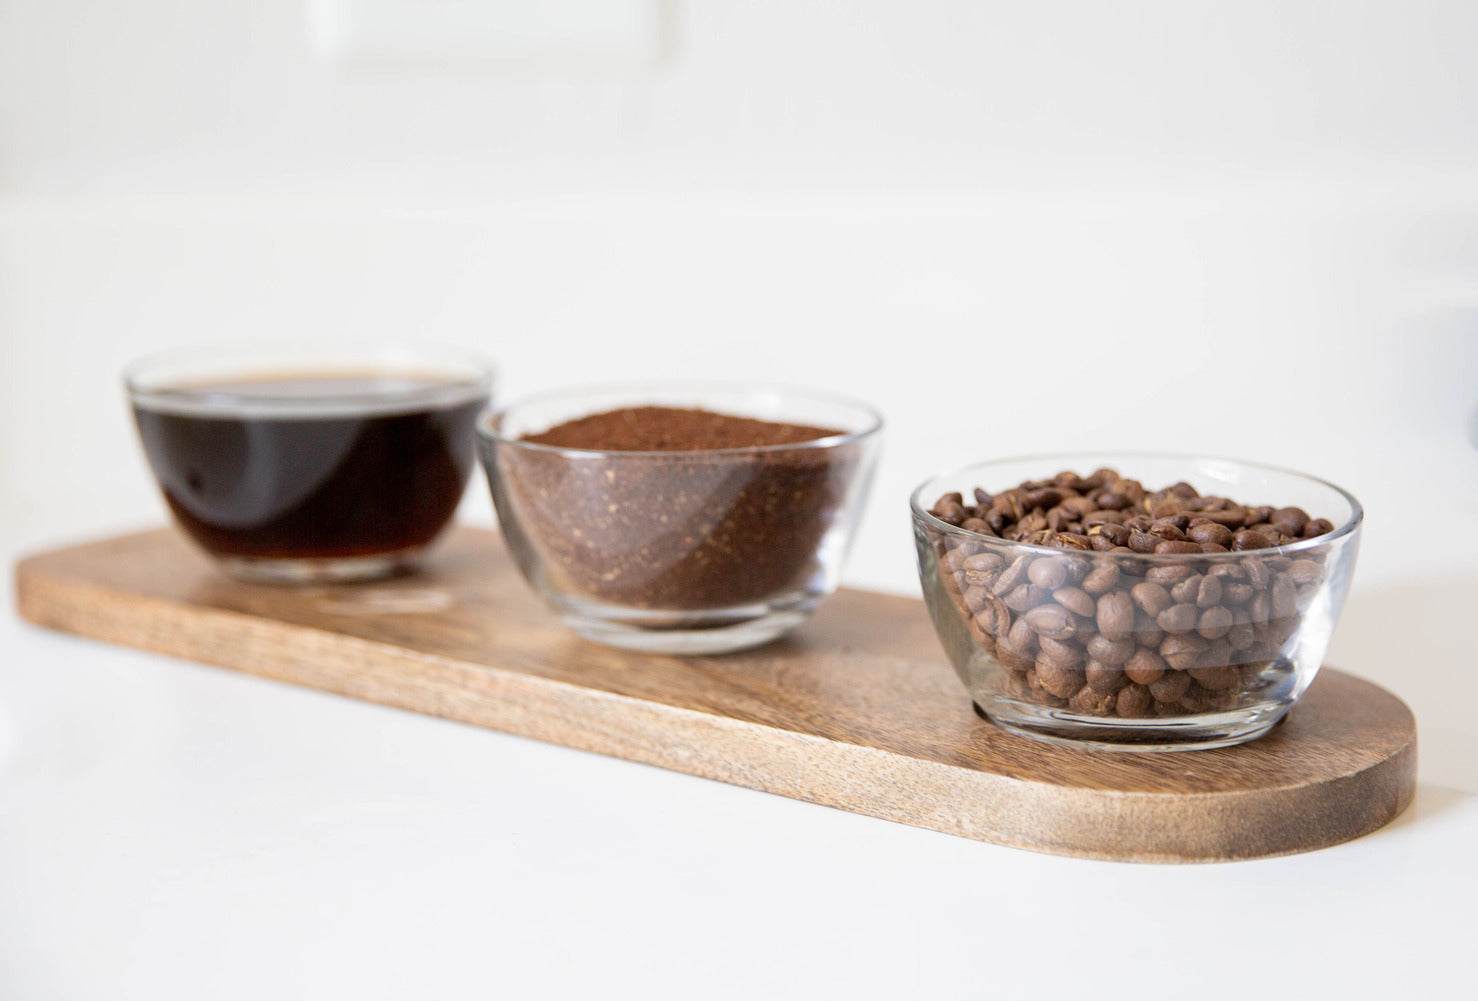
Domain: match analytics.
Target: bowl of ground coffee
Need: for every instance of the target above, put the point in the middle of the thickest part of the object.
(680, 518)
(310, 461)
(1145, 602)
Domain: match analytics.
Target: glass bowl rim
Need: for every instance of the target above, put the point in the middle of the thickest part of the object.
(258, 357)
(1348, 527)
(487, 432)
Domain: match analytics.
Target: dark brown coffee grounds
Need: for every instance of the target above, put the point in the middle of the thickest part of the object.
(673, 429)
(656, 517)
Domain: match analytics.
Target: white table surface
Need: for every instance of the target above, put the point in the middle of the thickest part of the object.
(169, 830)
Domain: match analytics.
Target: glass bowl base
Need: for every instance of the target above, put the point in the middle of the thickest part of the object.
(685, 641)
(332, 570)
(1190, 733)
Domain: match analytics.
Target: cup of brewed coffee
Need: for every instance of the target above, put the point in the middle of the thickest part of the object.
(310, 463)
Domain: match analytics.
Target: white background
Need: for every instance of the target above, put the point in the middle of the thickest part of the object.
(1247, 229)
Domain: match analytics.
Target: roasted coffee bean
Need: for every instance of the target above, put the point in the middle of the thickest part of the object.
(1317, 527)
(1260, 608)
(1026, 596)
(1013, 659)
(1022, 638)
(1210, 532)
(1173, 548)
(1044, 497)
(1151, 597)
(1143, 542)
(1116, 616)
(995, 617)
(1068, 540)
(1108, 651)
(1187, 590)
(1232, 517)
(950, 514)
(1283, 598)
(1258, 574)
(1032, 523)
(1214, 623)
(1104, 677)
(1289, 520)
(1171, 573)
(982, 564)
(1063, 653)
(1147, 631)
(1052, 620)
(1249, 539)
(1117, 534)
(1182, 652)
(1144, 666)
(1047, 572)
(982, 499)
(1194, 700)
(1133, 701)
(1166, 529)
(1178, 618)
(1210, 592)
(1076, 600)
(1091, 702)
(1217, 678)
(976, 598)
(1303, 572)
(1217, 652)
(1170, 687)
(1061, 681)
(1012, 577)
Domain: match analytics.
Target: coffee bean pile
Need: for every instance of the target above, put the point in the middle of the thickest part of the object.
(1099, 630)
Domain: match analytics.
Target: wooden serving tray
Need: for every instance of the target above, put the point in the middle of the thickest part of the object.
(858, 709)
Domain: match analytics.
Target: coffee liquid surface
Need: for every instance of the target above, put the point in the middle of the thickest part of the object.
(366, 464)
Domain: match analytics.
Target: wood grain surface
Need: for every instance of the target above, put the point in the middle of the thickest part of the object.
(858, 709)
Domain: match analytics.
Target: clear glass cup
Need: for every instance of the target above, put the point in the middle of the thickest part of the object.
(702, 551)
(1131, 650)
(310, 461)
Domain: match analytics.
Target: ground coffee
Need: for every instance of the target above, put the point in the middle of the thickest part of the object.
(666, 508)
(674, 429)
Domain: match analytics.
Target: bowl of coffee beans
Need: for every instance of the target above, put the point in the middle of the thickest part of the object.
(680, 517)
(1147, 602)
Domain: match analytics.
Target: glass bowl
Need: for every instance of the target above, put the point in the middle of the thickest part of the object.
(694, 551)
(1149, 651)
(310, 462)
